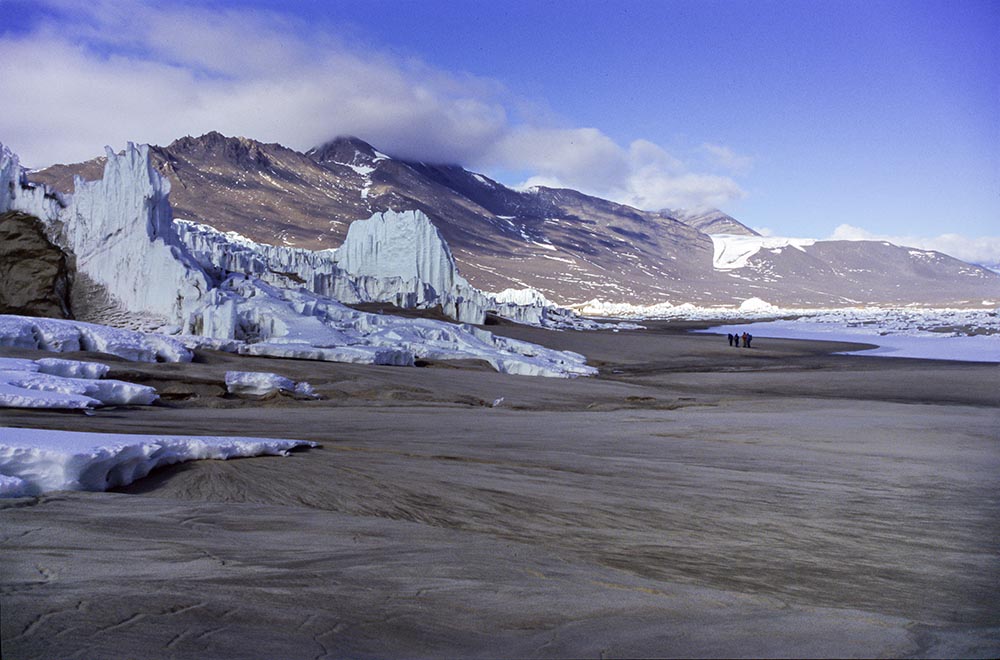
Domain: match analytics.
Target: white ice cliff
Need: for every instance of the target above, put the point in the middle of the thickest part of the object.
(398, 258)
(273, 300)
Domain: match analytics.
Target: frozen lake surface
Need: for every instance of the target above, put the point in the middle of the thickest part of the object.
(908, 344)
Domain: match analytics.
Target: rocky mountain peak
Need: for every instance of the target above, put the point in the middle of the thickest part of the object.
(247, 153)
(345, 150)
(710, 221)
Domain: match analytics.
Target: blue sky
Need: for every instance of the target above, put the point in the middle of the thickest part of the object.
(811, 119)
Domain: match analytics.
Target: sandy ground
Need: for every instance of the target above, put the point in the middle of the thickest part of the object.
(693, 500)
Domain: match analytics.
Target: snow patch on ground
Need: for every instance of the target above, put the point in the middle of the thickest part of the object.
(61, 336)
(35, 461)
(262, 383)
(50, 383)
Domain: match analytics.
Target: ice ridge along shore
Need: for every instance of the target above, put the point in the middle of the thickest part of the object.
(56, 383)
(190, 281)
(36, 461)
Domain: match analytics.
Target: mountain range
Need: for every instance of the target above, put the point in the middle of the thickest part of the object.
(569, 246)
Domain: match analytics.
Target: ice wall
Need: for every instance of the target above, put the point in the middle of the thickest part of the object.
(121, 230)
(398, 258)
(18, 194)
(274, 300)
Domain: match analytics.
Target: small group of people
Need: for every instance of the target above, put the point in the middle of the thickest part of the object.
(746, 338)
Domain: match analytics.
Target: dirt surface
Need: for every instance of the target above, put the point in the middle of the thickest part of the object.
(692, 500)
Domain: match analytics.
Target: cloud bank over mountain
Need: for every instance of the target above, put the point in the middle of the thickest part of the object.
(983, 250)
(80, 77)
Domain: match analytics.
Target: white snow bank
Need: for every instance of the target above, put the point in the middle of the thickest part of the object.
(262, 383)
(733, 251)
(35, 461)
(62, 336)
(522, 297)
(610, 310)
(31, 384)
(299, 324)
(758, 306)
(72, 368)
(257, 383)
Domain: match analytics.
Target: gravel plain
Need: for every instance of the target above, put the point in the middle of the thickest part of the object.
(692, 500)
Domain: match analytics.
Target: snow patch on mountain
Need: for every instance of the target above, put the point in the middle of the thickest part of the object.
(733, 251)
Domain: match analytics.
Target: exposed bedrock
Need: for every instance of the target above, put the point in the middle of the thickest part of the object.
(34, 274)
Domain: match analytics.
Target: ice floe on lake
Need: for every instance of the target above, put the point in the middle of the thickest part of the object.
(947, 334)
(35, 461)
(932, 346)
(939, 334)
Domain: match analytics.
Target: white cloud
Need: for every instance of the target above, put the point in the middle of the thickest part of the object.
(983, 250)
(724, 157)
(644, 175)
(111, 72)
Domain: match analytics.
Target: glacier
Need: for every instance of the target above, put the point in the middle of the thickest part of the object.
(392, 257)
(193, 281)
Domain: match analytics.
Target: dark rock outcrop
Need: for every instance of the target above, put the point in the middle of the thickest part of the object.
(35, 275)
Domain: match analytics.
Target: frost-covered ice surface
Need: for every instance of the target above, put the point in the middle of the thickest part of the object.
(262, 383)
(942, 334)
(947, 334)
(932, 346)
(35, 461)
(55, 383)
(281, 322)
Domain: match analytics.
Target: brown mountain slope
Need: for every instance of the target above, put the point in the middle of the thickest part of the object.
(570, 246)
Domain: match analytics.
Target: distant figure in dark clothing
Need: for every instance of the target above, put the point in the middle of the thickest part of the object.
(730, 339)
(736, 339)
(749, 339)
